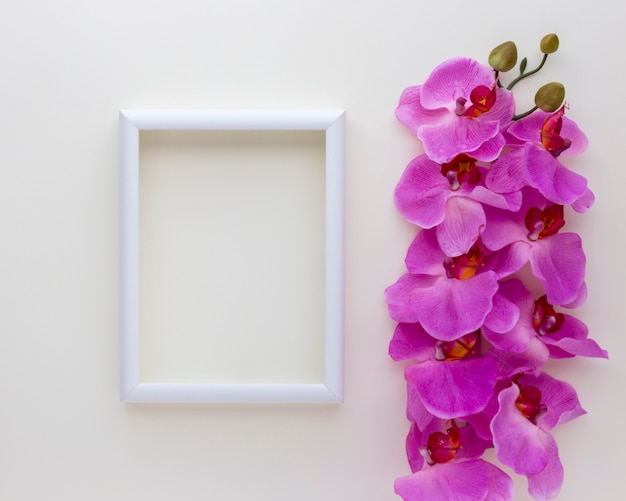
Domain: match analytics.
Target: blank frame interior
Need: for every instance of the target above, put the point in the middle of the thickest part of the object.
(213, 131)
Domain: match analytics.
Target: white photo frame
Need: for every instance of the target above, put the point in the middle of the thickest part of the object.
(131, 122)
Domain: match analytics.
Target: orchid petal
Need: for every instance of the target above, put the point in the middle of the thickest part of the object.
(519, 443)
(580, 298)
(489, 150)
(509, 259)
(558, 262)
(503, 228)
(499, 483)
(584, 202)
(461, 226)
(531, 360)
(507, 172)
(411, 342)
(466, 481)
(568, 348)
(517, 336)
(454, 78)
(415, 440)
(424, 255)
(444, 141)
(504, 314)
(480, 423)
(472, 444)
(415, 410)
(455, 388)
(449, 308)
(547, 483)
(508, 201)
(412, 114)
(398, 297)
(555, 181)
(422, 192)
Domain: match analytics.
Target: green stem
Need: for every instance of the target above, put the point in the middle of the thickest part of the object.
(532, 72)
(497, 74)
(525, 114)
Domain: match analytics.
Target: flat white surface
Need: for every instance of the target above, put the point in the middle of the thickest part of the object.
(232, 256)
(69, 66)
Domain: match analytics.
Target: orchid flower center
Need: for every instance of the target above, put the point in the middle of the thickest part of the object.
(529, 402)
(550, 133)
(460, 106)
(465, 266)
(543, 223)
(483, 98)
(459, 348)
(461, 168)
(442, 447)
(545, 319)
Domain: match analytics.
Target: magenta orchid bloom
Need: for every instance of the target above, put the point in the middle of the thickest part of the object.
(529, 409)
(556, 259)
(543, 137)
(442, 441)
(458, 109)
(450, 297)
(451, 379)
(564, 335)
(445, 465)
(449, 197)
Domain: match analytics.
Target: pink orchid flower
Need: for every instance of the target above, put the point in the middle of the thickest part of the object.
(529, 409)
(458, 109)
(556, 259)
(449, 197)
(564, 335)
(538, 141)
(451, 378)
(449, 297)
(445, 465)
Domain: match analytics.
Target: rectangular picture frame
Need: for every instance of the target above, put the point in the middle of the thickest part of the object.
(131, 122)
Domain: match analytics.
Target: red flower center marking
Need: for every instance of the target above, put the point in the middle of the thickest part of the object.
(550, 133)
(442, 447)
(483, 98)
(461, 168)
(459, 348)
(529, 401)
(465, 266)
(545, 319)
(543, 223)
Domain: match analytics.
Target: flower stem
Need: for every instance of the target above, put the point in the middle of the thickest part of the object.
(497, 76)
(525, 114)
(527, 74)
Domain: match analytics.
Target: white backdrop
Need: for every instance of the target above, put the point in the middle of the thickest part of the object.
(67, 67)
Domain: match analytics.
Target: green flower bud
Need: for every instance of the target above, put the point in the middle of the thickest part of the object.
(503, 57)
(549, 43)
(550, 96)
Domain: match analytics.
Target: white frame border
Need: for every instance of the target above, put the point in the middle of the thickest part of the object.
(333, 123)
